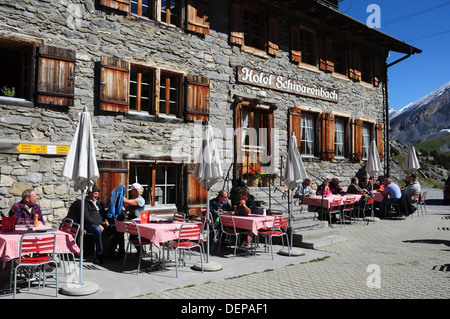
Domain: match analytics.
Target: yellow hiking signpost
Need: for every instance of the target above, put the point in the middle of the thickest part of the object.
(43, 149)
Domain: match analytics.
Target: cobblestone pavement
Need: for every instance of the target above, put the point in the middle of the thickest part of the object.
(388, 259)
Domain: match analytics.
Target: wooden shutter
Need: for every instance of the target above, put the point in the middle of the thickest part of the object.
(354, 65)
(236, 23)
(295, 126)
(327, 136)
(325, 52)
(296, 53)
(379, 134)
(358, 139)
(272, 39)
(121, 5)
(112, 174)
(377, 71)
(56, 76)
(114, 85)
(196, 195)
(197, 102)
(197, 16)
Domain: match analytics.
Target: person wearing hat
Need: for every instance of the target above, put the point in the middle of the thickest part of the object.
(413, 188)
(95, 221)
(136, 204)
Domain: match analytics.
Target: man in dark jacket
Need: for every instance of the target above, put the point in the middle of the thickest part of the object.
(95, 221)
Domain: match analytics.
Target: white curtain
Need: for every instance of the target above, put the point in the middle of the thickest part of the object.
(307, 133)
(366, 141)
(245, 119)
(339, 137)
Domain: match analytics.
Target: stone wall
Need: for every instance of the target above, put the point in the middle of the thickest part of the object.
(93, 31)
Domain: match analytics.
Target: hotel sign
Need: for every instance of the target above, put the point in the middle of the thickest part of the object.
(284, 84)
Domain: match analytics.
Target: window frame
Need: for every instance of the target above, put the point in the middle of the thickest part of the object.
(167, 96)
(139, 71)
(303, 140)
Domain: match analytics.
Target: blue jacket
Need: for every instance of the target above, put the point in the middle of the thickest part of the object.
(116, 202)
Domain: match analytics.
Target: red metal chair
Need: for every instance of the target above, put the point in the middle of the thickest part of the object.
(228, 228)
(415, 201)
(278, 230)
(368, 206)
(422, 203)
(349, 205)
(335, 208)
(70, 227)
(35, 250)
(178, 217)
(138, 242)
(189, 237)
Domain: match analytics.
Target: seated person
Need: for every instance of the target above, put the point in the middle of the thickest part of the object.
(335, 188)
(136, 204)
(391, 193)
(26, 209)
(365, 183)
(354, 187)
(380, 183)
(304, 189)
(246, 204)
(324, 189)
(412, 189)
(219, 204)
(95, 221)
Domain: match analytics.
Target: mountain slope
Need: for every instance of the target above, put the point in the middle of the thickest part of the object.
(425, 119)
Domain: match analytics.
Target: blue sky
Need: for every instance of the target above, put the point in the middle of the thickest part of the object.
(414, 22)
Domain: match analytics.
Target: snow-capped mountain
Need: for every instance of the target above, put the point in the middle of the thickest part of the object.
(424, 119)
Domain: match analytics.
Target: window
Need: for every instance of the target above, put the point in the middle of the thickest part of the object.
(143, 8)
(125, 87)
(141, 89)
(366, 67)
(340, 58)
(254, 28)
(366, 140)
(339, 139)
(159, 182)
(254, 136)
(307, 134)
(192, 13)
(170, 12)
(165, 186)
(17, 69)
(302, 45)
(169, 94)
(49, 71)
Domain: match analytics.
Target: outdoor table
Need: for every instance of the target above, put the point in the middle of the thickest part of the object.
(10, 242)
(157, 232)
(253, 222)
(316, 200)
(378, 197)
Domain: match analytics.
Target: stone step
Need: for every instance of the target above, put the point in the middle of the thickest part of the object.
(317, 238)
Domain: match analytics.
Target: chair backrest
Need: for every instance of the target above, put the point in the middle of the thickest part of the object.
(416, 197)
(280, 222)
(424, 195)
(70, 227)
(43, 243)
(335, 205)
(190, 231)
(178, 217)
(227, 221)
(350, 201)
(369, 202)
(132, 228)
